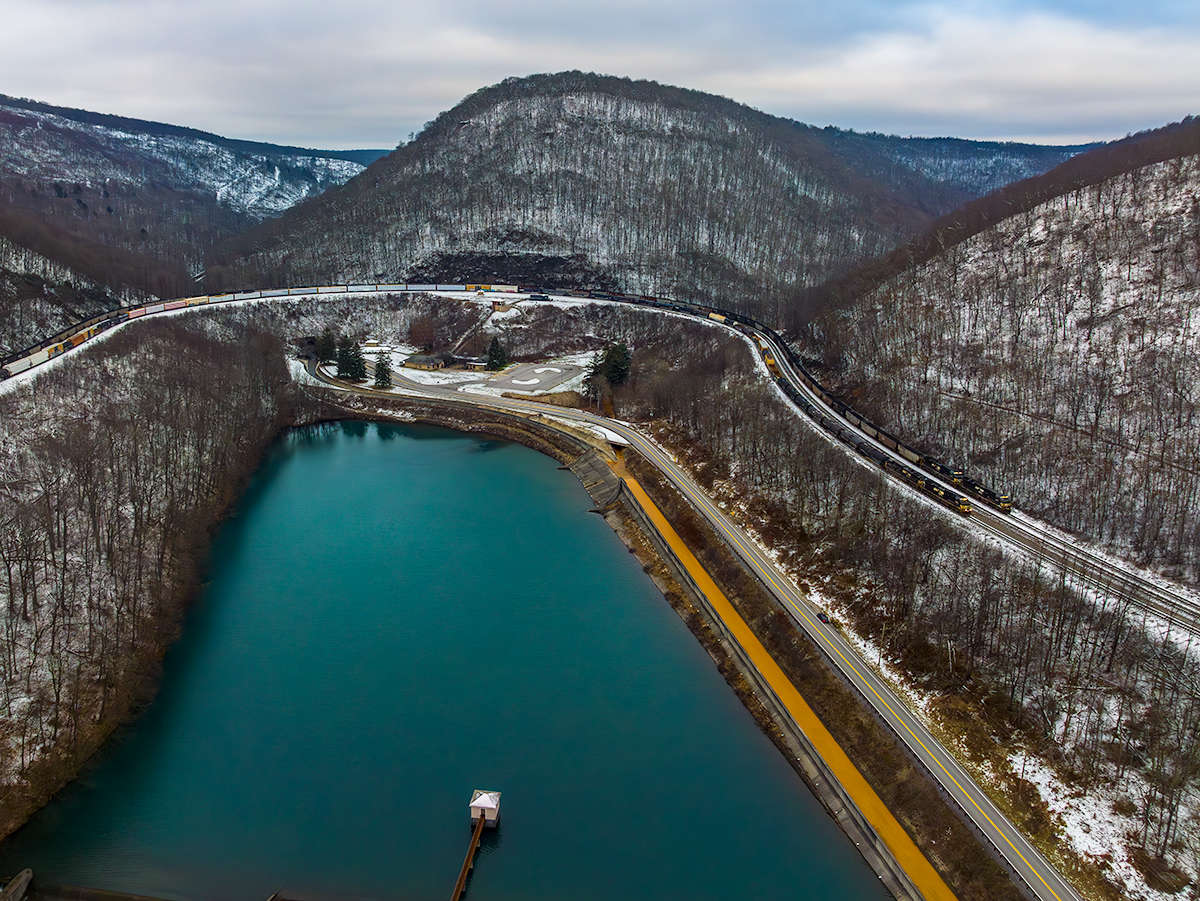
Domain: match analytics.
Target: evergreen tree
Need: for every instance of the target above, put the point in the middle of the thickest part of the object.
(611, 367)
(343, 358)
(617, 361)
(327, 347)
(497, 356)
(383, 371)
(358, 364)
(350, 362)
(594, 383)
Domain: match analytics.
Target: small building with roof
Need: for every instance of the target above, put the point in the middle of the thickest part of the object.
(487, 805)
(424, 361)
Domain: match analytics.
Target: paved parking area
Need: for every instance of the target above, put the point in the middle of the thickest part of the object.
(535, 377)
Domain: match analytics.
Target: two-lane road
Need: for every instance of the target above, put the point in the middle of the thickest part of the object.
(1042, 880)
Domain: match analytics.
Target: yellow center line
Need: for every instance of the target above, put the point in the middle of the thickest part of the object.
(681, 550)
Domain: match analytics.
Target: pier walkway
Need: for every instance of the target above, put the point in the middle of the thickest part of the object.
(469, 861)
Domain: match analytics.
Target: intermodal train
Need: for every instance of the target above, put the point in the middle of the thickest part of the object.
(913, 474)
(80, 332)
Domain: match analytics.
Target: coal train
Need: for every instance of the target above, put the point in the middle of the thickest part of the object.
(913, 467)
(912, 474)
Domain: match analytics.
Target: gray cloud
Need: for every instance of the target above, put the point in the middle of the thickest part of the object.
(367, 73)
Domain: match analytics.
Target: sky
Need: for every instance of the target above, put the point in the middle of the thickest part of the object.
(341, 74)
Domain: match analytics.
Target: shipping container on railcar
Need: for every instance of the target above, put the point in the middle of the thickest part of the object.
(33, 359)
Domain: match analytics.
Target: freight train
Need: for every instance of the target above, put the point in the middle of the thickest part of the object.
(957, 500)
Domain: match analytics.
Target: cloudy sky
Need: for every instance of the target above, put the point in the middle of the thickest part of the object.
(367, 73)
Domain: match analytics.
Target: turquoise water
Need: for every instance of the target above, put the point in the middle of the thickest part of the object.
(398, 616)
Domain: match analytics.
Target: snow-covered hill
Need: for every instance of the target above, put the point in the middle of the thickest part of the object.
(38, 297)
(583, 179)
(1057, 354)
(973, 168)
(45, 147)
(131, 205)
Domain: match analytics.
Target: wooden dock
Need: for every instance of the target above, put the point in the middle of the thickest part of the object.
(469, 861)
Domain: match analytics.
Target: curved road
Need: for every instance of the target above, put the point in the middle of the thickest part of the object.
(1042, 880)
(1124, 583)
(1117, 581)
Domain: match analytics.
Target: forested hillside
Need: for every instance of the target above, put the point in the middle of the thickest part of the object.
(974, 168)
(577, 179)
(93, 581)
(38, 296)
(138, 204)
(112, 471)
(1056, 354)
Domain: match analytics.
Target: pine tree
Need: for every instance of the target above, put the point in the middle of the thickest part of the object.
(611, 367)
(383, 371)
(327, 347)
(350, 362)
(594, 383)
(617, 361)
(497, 356)
(358, 364)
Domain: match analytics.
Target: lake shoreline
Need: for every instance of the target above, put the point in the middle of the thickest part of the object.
(564, 445)
(785, 734)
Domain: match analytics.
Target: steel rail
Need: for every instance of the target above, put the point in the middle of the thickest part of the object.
(1093, 569)
(1036, 874)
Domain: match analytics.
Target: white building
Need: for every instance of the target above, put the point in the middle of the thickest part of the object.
(487, 805)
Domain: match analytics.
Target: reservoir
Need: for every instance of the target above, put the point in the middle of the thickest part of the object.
(397, 616)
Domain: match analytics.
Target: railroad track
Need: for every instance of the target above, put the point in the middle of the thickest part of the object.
(1092, 570)
(1040, 879)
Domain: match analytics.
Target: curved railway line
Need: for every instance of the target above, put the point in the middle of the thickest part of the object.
(987, 510)
(1091, 568)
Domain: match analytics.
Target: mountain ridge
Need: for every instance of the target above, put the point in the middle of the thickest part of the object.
(362, 157)
(656, 189)
(124, 205)
(1045, 336)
